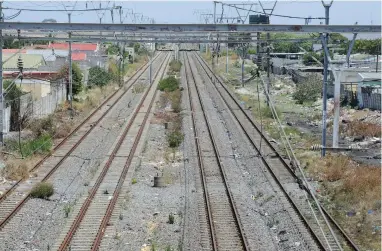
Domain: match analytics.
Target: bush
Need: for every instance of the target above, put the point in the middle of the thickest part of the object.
(175, 65)
(112, 50)
(42, 190)
(168, 84)
(308, 91)
(98, 76)
(175, 139)
(358, 128)
(267, 112)
(171, 219)
(40, 145)
(175, 98)
(43, 126)
(15, 170)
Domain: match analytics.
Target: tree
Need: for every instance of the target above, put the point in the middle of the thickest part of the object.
(136, 47)
(18, 117)
(112, 49)
(98, 76)
(77, 84)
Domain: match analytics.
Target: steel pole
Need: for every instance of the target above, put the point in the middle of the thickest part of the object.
(268, 66)
(336, 120)
(226, 68)
(242, 68)
(1, 81)
(70, 72)
(324, 88)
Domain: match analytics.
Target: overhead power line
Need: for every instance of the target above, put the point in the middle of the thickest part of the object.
(77, 10)
(276, 15)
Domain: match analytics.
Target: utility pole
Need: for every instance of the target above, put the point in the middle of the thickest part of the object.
(1, 79)
(268, 66)
(325, 81)
(226, 67)
(70, 71)
(216, 53)
(242, 66)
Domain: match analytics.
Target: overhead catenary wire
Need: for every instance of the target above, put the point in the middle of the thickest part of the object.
(297, 165)
(276, 15)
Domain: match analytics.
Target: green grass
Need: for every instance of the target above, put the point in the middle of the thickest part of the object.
(40, 145)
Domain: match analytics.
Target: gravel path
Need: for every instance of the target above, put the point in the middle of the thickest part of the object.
(140, 221)
(39, 222)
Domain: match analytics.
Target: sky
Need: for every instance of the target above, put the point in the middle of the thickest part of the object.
(341, 12)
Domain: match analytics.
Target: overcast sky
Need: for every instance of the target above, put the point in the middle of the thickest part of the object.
(341, 12)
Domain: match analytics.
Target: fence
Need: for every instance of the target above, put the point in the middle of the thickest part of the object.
(38, 108)
(369, 100)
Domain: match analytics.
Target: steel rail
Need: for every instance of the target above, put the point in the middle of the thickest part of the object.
(289, 169)
(167, 28)
(100, 178)
(113, 201)
(219, 161)
(200, 160)
(49, 174)
(304, 220)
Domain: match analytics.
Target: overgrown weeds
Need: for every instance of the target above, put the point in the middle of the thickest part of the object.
(175, 98)
(175, 65)
(40, 145)
(42, 126)
(15, 170)
(42, 190)
(359, 128)
(168, 84)
(138, 88)
(174, 139)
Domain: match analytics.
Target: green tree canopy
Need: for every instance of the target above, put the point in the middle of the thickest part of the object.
(77, 85)
(98, 76)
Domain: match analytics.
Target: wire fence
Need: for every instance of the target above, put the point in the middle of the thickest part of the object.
(38, 108)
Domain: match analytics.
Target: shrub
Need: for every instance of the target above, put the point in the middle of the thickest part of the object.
(42, 190)
(134, 181)
(98, 76)
(15, 170)
(308, 91)
(358, 128)
(168, 84)
(267, 112)
(175, 98)
(175, 65)
(43, 126)
(175, 139)
(171, 219)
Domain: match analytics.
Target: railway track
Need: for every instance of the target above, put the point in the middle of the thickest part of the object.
(281, 171)
(225, 230)
(87, 224)
(18, 194)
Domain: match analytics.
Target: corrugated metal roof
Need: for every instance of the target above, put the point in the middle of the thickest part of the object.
(370, 75)
(47, 54)
(80, 56)
(32, 81)
(13, 51)
(30, 61)
(75, 47)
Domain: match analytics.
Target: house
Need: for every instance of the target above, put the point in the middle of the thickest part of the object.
(30, 62)
(369, 90)
(38, 88)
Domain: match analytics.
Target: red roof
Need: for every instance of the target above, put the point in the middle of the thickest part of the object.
(78, 56)
(76, 47)
(14, 51)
